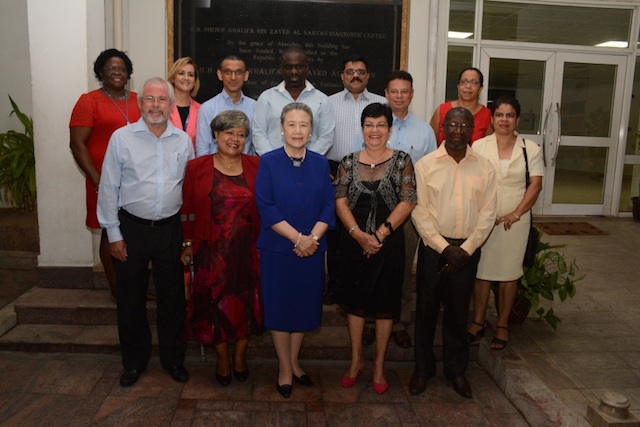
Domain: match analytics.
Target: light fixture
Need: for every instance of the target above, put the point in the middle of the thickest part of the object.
(459, 35)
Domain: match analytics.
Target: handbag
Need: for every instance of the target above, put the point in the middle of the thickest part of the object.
(534, 235)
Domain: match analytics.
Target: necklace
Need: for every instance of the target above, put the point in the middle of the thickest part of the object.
(297, 161)
(227, 163)
(373, 165)
(125, 113)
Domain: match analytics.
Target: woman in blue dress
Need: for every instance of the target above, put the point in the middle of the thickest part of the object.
(295, 199)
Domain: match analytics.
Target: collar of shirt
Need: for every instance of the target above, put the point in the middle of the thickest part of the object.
(228, 99)
(348, 96)
(399, 123)
(141, 126)
(308, 87)
(442, 152)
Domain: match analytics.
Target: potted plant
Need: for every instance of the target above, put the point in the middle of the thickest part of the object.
(550, 276)
(17, 164)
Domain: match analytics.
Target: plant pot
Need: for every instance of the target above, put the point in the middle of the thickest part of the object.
(520, 311)
(636, 208)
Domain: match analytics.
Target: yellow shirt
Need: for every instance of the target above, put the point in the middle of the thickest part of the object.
(455, 200)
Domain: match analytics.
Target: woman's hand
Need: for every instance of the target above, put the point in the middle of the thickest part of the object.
(508, 220)
(367, 242)
(186, 252)
(306, 247)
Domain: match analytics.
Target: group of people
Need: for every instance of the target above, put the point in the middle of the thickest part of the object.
(352, 180)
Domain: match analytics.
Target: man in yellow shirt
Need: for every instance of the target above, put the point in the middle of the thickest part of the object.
(455, 213)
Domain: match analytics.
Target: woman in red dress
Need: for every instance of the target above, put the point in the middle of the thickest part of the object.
(221, 226)
(94, 118)
(470, 84)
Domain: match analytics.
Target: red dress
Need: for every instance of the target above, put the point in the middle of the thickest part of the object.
(481, 122)
(225, 302)
(103, 115)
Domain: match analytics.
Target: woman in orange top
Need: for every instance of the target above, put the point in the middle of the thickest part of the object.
(470, 83)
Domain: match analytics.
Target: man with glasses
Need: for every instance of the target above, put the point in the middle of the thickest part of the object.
(232, 72)
(347, 106)
(416, 138)
(265, 128)
(455, 213)
(139, 197)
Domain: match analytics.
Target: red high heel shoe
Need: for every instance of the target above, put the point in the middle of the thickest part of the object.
(348, 381)
(378, 387)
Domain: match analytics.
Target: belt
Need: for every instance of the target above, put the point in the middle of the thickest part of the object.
(455, 242)
(149, 222)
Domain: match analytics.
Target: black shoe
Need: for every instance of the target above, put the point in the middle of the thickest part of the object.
(284, 390)
(224, 380)
(417, 384)
(461, 386)
(402, 339)
(241, 375)
(368, 336)
(473, 338)
(303, 379)
(179, 374)
(130, 376)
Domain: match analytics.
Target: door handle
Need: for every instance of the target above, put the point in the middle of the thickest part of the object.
(559, 135)
(544, 135)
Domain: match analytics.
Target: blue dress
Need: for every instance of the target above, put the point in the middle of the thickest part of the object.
(292, 286)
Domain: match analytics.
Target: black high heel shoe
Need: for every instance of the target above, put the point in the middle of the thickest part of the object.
(497, 343)
(285, 390)
(241, 375)
(473, 338)
(224, 380)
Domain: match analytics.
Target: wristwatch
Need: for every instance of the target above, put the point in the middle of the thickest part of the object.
(186, 244)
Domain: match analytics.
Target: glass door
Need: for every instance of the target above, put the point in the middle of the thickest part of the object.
(571, 106)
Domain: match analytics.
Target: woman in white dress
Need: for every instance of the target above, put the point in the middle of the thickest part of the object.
(503, 252)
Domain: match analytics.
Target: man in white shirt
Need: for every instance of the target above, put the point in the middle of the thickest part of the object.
(265, 128)
(347, 106)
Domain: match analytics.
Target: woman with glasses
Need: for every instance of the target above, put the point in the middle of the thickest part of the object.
(503, 252)
(93, 119)
(470, 83)
(184, 77)
(375, 193)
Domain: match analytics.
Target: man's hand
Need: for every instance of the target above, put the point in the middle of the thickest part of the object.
(456, 257)
(118, 250)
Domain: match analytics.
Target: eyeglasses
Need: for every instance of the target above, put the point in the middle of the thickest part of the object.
(401, 92)
(228, 72)
(371, 126)
(468, 82)
(114, 70)
(358, 71)
(453, 126)
(153, 99)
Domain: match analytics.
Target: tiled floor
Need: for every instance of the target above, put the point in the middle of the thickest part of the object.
(78, 390)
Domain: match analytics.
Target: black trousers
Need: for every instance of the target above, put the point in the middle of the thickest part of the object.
(454, 292)
(160, 245)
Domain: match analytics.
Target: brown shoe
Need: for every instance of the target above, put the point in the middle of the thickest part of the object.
(461, 386)
(368, 336)
(402, 339)
(417, 384)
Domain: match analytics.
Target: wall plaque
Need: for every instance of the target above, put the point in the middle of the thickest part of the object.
(260, 30)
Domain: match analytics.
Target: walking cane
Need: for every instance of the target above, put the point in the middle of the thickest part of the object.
(188, 260)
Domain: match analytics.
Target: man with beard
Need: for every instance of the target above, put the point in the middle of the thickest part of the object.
(139, 198)
(347, 106)
(455, 213)
(265, 129)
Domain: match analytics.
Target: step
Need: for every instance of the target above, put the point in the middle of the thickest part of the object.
(18, 260)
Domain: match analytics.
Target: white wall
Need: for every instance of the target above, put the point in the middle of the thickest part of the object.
(58, 54)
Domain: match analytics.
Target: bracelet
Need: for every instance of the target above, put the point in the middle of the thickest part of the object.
(516, 215)
(388, 225)
(187, 244)
(379, 230)
(314, 237)
(376, 236)
(298, 242)
(353, 228)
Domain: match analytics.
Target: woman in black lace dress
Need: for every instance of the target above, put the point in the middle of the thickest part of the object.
(375, 193)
